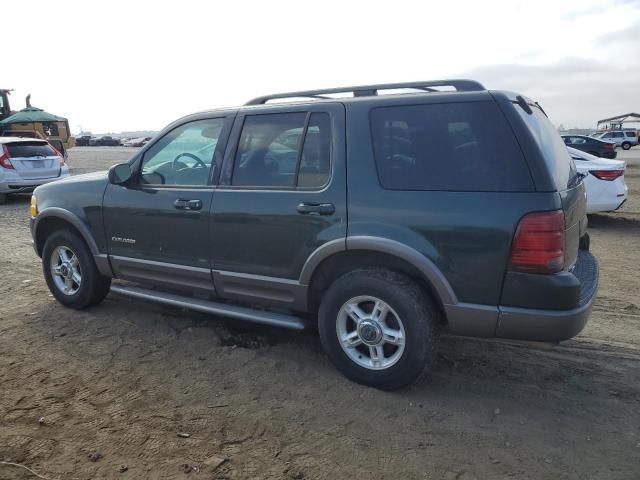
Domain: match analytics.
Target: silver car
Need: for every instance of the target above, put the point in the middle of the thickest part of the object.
(26, 163)
(623, 138)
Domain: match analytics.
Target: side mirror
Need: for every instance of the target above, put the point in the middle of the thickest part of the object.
(120, 174)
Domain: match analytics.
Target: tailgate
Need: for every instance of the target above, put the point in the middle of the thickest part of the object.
(34, 159)
(32, 168)
(574, 204)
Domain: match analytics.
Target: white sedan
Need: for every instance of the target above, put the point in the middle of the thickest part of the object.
(603, 179)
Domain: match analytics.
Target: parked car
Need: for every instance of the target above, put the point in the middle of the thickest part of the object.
(623, 138)
(83, 140)
(26, 163)
(459, 211)
(603, 180)
(107, 141)
(137, 142)
(591, 145)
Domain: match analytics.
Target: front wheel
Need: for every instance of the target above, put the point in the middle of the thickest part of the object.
(378, 328)
(71, 273)
(626, 146)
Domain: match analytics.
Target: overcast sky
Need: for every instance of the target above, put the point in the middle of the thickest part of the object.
(126, 65)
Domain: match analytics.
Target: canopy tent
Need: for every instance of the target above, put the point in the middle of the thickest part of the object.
(31, 115)
(620, 119)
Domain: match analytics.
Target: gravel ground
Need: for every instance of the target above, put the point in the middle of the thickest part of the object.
(126, 379)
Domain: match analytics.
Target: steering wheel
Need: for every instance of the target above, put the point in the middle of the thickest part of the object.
(199, 163)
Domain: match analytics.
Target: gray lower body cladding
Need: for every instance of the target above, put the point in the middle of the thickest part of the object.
(534, 324)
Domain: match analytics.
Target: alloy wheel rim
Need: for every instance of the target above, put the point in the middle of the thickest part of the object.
(370, 332)
(65, 270)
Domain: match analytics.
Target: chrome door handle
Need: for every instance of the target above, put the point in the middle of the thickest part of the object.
(182, 204)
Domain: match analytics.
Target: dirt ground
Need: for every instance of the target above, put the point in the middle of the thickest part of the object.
(126, 377)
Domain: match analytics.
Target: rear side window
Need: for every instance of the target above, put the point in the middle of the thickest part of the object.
(30, 149)
(630, 134)
(284, 150)
(450, 147)
(554, 151)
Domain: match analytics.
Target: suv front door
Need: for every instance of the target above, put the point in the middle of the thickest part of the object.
(157, 226)
(282, 196)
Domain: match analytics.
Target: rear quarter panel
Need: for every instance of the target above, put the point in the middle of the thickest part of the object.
(467, 235)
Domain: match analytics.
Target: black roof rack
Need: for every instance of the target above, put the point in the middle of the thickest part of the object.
(460, 85)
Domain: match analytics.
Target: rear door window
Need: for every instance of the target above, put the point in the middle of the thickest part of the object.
(30, 149)
(447, 147)
(284, 150)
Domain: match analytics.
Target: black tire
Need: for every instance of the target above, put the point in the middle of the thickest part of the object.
(92, 289)
(417, 312)
(626, 145)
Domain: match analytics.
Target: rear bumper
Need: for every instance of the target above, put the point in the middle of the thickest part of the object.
(609, 155)
(554, 325)
(27, 186)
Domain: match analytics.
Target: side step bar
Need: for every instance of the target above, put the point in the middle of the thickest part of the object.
(207, 306)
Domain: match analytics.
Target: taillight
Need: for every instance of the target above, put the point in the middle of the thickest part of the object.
(58, 154)
(538, 244)
(610, 146)
(609, 175)
(4, 158)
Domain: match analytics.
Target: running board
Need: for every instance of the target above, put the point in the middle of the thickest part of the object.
(207, 306)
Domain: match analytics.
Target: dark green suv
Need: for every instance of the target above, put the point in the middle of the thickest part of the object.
(385, 213)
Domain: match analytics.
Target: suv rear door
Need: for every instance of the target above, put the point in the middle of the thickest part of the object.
(282, 195)
(34, 160)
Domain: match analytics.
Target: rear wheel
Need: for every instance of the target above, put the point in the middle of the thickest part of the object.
(626, 145)
(378, 328)
(71, 273)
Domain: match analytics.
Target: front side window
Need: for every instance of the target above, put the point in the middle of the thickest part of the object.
(454, 146)
(184, 156)
(284, 150)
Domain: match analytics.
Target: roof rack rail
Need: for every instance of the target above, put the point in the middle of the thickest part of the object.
(460, 85)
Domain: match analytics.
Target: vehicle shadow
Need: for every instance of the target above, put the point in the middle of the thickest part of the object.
(619, 220)
(18, 198)
(464, 366)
